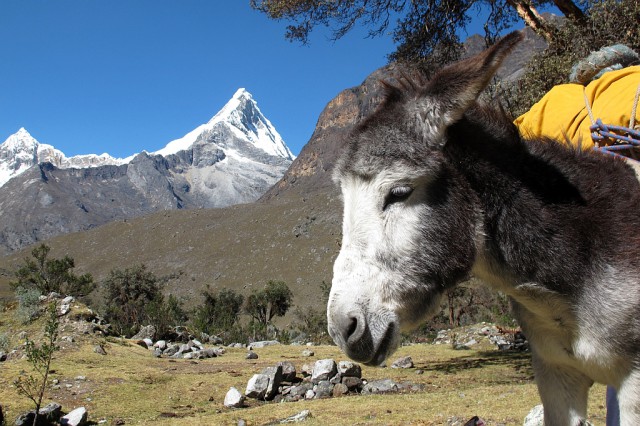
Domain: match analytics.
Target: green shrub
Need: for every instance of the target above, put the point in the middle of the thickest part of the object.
(28, 304)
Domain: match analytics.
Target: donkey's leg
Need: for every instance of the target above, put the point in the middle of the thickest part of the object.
(629, 400)
(564, 392)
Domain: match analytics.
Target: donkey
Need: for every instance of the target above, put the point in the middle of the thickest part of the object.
(436, 188)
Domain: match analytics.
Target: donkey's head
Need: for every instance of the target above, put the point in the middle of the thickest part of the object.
(409, 224)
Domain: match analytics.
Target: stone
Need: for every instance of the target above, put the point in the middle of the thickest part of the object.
(157, 353)
(234, 398)
(340, 389)
(288, 371)
(3, 358)
(535, 417)
(68, 300)
(251, 355)
(352, 383)
(349, 369)
(300, 390)
(297, 418)
(323, 390)
(160, 344)
(262, 344)
(51, 412)
(257, 386)
(146, 332)
(77, 417)
(210, 353)
(306, 369)
(275, 379)
(26, 419)
(147, 341)
(404, 362)
(380, 386)
(308, 353)
(324, 369)
(310, 394)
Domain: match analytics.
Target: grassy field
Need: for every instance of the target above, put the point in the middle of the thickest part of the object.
(131, 385)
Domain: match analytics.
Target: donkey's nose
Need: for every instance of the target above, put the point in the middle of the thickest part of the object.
(352, 327)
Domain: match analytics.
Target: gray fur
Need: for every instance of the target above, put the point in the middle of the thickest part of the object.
(437, 188)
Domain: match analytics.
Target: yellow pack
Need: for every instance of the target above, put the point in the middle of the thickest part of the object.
(562, 113)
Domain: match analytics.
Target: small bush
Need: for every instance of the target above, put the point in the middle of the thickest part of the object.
(5, 343)
(28, 304)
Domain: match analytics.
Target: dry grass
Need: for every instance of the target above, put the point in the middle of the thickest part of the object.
(129, 384)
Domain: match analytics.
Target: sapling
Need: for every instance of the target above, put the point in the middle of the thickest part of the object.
(33, 387)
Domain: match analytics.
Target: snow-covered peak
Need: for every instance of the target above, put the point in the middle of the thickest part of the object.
(243, 117)
(21, 151)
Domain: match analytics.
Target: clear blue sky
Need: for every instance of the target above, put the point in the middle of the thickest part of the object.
(122, 76)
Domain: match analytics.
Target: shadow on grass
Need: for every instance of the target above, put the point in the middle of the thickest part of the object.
(519, 361)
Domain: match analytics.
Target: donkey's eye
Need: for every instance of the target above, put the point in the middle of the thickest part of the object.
(397, 194)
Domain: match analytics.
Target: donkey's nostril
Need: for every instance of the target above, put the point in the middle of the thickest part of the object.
(353, 326)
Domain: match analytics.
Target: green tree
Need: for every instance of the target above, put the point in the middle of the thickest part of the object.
(133, 298)
(219, 311)
(272, 301)
(34, 387)
(50, 274)
(423, 27)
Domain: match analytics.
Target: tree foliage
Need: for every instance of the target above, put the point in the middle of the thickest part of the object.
(272, 301)
(424, 29)
(608, 22)
(219, 311)
(48, 275)
(133, 298)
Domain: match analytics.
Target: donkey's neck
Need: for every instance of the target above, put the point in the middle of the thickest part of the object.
(536, 201)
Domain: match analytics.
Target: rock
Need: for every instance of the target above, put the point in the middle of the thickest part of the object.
(234, 398)
(160, 344)
(146, 332)
(288, 371)
(349, 369)
(404, 362)
(324, 369)
(381, 386)
(275, 378)
(51, 412)
(210, 353)
(64, 308)
(340, 389)
(300, 390)
(323, 390)
(306, 370)
(535, 417)
(157, 353)
(3, 358)
(262, 344)
(26, 419)
(352, 383)
(308, 353)
(310, 394)
(81, 378)
(77, 417)
(68, 300)
(297, 418)
(251, 355)
(257, 386)
(147, 341)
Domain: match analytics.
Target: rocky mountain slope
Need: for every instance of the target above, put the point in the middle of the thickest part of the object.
(234, 158)
(291, 234)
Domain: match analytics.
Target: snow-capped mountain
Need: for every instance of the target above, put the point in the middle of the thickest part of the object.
(21, 151)
(234, 158)
(243, 117)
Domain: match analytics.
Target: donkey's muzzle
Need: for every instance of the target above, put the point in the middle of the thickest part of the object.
(362, 340)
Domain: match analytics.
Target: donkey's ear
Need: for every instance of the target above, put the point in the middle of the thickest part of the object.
(455, 88)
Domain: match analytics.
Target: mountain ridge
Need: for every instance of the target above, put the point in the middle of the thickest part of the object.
(232, 159)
